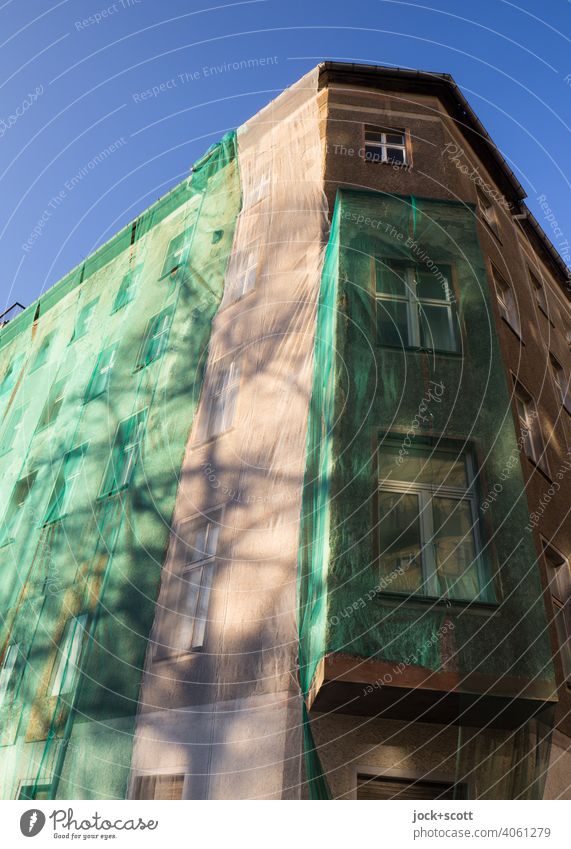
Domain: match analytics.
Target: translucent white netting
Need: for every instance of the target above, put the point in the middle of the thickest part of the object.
(229, 716)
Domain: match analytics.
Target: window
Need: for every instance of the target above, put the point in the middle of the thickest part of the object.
(415, 307)
(32, 791)
(12, 428)
(220, 399)
(11, 373)
(559, 578)
(15, 510)
(428, 523)
(385, 787)
(261, 189)
(562, 382)
(159, 787)
(66, 666)
(194, 590)
(84, 320)
(42, 353)
(101, 375)
(385, 145)
(126, 291)
(124, 454)
(246, 268)
(177, 251)
(539, 292)
(156, 338)
(66, 482)
(487, 210)
(530, 427)
(53, 405)
(8, 673)
(506, 301)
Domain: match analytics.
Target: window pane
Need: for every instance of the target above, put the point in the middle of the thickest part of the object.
(205, 542)
(373, 153)
(390, 278)
(159, 787)
(563, 628)
(400, 541)
(432, 286)
(392, 323)
(188, 602)
(436, 328)
(423, 467)
(455, 550)
(42, 354)
(203, 606)
(7, 670)
(124, 454)
(39, 792)
(395, 138)
(177, 252)
(559, 574)
(84, 319)
(11, 373)
(69, 652)
(395, 154)
(12, 428)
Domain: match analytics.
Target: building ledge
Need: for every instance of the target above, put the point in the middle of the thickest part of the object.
(364, 687)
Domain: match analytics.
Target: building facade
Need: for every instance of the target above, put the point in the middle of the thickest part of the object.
(285, 497)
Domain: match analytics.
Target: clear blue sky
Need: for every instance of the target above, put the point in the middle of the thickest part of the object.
(510, 59)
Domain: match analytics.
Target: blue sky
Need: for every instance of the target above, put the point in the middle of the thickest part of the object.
(69, 89)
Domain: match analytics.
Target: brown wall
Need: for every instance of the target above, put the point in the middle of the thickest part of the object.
(434, 172)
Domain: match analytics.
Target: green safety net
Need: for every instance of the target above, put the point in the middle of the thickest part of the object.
(99, 381)
(409, 386)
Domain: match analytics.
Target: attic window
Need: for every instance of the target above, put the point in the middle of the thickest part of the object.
(385, 145)
(487, 211)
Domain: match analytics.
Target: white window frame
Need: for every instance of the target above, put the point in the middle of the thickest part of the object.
(198, 572)
(261, 189)
(246, 260)
(158, 328)
(132, 278)
(14, 511)
(43, 352)
(564, 388)
(383, 146)
(69, 654)
(101, 370)
(414, 305)
(13, 425)
(131, 451)
(65, 482)
(132, 448)
(55, 395)
(539, 292)
(89, 309)
(487, 210)
(425, 493)
(221, 398)
(7, 670)
(507, 303)
(530, 427)
(181, 254)
(9, 376)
